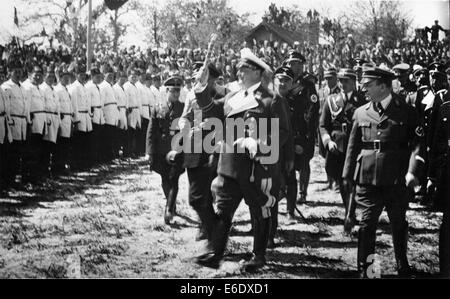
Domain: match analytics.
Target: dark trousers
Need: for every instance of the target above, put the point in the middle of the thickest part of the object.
(122, 140)
(372, 200)
(170, 189)
(444, 245)
(15, 161)
(4, 151)
(228, 194)
(142, 136)
(81, 149)
(132, 139)
(34, 158)
(95, 141)
(48, 154)
(110, 150)
(62, 157)
(200, 195)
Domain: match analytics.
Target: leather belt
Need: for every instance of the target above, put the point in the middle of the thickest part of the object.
(2, 113)
(54, 113)
(37, 112)
(379, 146)
(67, 114)
(19, 116)
(83, 111)
(121, 107)
(133, 108)
(343, 127)
(109, 104)
(96, 107)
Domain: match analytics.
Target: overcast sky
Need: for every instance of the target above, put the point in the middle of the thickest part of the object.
(423, 12)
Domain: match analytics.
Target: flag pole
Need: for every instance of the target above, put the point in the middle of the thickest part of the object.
(89, 37)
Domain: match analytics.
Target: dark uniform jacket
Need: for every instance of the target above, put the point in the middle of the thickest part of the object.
(162, 127)
(382, 149)
(282, 109)
(439, 169)
(304, 107)
(336, 122)
(239, 165)
(195, 159)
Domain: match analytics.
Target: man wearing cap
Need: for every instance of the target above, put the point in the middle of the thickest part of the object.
(428, 113)
(240, 175)
(81, 106)
(162, 127)
(66, 113)
(335, 126)
(330, 90)
(53, 119)
(111, 113)
(358, 69)
(201, 166)
(133, 113)
(283, 80)
(383, 160)
(438, 181)
(34, 168)
(98, 118)
(304, 106)
(155, 88)
(16, 96)
(121, 98)
(404, 86)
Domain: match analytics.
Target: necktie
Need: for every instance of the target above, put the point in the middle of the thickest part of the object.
(380, 109)
(246, 93)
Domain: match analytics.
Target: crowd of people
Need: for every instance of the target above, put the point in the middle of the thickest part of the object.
(379, 115)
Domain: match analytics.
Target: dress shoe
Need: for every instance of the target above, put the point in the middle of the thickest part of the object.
(291, 219)
(301, 200)
(209, 259)
(168, 216)
(271, 244)
(255, 263)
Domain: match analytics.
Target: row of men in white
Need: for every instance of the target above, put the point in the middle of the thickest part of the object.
(56, 108)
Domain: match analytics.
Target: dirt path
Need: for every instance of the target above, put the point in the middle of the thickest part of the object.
(109, 223)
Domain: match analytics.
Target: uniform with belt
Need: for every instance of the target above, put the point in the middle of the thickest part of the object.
(82, 122)
(5, 138)
(53, 123)
(304, 107)
(335, 126)
(439, 174)
(111, 113)
(98, 119)
(62, 152)
(122, 116)
(382, 159)
(15, 95)
(133, 117)
(201, 166)
(145, 99)
(240, 175)
(162, 128)
(34, 149)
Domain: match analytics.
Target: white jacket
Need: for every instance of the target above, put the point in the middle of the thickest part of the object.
(36, 101)
(121, 105)
(5, 118)
(134, 105)
(19, 109)
(52, 110)
(81, 105)
(108, 98)
(93, 91)
(65, 110)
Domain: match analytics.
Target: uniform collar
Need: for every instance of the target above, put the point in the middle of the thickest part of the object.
(386, 101)
(253, 88)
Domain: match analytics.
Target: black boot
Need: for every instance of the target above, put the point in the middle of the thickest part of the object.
(366, 252)
(219, 242)
(261, 230)
(400, 240)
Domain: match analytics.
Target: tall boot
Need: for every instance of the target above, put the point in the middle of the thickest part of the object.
(261, 230)
(291, 194)
(366, 251)
(219, 242)
(273, 226)
(444, 246)
(400, 240)
(171, 204)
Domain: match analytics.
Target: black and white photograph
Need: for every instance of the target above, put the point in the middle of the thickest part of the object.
(204, 141)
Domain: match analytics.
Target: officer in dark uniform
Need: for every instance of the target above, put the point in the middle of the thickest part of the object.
(304, 106)
(358, 69)
(161, 129)
(283, 79)
(439, 178)
(241, 170)
(383, 160)
(406, 86)
(428, 113)
(201, 166)
(335, 126)
(421, 78)
(332, 88)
